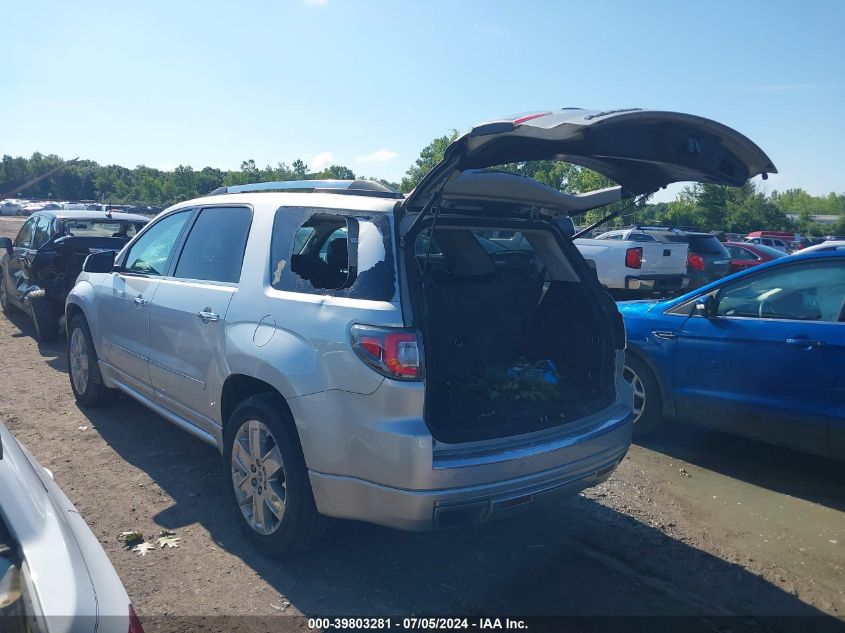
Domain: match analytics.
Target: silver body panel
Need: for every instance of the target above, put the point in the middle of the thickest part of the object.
(73, 585)
(368, 450)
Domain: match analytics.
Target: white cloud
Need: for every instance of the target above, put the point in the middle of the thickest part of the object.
(316, 3)
(379, 156)
(321, 160)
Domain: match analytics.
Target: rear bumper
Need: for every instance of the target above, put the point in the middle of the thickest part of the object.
(656, 283)
(582, 460)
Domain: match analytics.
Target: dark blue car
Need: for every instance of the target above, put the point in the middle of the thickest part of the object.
(760, 353)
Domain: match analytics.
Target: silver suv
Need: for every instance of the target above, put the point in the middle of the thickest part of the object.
(415, 362)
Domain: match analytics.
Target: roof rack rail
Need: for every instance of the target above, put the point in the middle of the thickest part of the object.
(346, 187)
(646, 227)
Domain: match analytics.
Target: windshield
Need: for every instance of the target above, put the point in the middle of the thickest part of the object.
(101, 228)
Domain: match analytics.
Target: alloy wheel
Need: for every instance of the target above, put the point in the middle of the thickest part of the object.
(258, 477)
(78, 360)
(633, 379)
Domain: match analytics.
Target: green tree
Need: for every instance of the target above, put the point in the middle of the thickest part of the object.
(335, 172)
(430, 155)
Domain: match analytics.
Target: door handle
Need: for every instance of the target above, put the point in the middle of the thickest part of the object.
(140, 301)
(803, 343)
(208, 316)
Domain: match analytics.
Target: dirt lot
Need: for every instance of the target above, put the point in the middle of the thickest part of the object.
(693, 523)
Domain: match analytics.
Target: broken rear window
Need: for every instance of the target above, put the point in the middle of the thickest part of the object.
(332, 252)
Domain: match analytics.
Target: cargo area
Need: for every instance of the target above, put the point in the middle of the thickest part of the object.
(513, 343)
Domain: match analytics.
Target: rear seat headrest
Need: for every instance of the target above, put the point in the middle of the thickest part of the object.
(463, 254)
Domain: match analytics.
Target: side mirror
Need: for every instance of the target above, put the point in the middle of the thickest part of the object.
(5, 243)
(706, 306)
(102, 262)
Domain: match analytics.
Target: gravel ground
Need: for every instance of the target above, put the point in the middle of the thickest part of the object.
(693, 523)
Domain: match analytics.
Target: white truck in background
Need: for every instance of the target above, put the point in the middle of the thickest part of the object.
(638, 262)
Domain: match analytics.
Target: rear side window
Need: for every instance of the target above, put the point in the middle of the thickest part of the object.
(742, 254)
(333, 252)
(214, 250)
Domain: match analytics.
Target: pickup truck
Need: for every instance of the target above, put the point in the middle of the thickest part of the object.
(638, 262)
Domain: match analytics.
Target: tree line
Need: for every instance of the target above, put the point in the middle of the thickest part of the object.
(699, 206)
(88, 180)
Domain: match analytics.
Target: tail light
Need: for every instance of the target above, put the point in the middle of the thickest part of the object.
(392, 352)
(134, 622)
(634, 257)
(695, 261)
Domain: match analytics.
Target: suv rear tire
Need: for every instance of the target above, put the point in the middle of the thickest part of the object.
(267, 479)
(83, 367)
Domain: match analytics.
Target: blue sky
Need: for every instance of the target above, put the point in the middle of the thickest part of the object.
(369, 83)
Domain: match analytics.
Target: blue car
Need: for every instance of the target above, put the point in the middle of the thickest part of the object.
(760, 354)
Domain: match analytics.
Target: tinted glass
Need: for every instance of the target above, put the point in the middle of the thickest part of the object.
(708, 245)
(737, 252)
(771, 252)
(641, 237)
(24, 238)
(814, 291)
(214, 250)
(151, 254)
(42, 232)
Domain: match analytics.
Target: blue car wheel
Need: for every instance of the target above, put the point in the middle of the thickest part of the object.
(648, 405)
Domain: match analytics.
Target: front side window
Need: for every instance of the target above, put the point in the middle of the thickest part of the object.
(214, 250)
(333, 252)
(42, 232)
(24, 238)
(811, 291)
(152, 253)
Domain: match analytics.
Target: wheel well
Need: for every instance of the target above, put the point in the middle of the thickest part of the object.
(71, 311)
(665, 402)
(238, 388)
